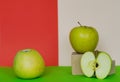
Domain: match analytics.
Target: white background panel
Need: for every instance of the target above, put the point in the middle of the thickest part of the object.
(104, 15)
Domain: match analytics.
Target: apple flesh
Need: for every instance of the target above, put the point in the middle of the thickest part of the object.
(99, 64)
(28, 64)
(83, 38)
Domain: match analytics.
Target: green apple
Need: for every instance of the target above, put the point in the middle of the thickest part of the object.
(83, 38)
(99, 64)
(28, 64)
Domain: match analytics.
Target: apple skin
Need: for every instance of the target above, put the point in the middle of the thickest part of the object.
(28, 64)
(83, 38)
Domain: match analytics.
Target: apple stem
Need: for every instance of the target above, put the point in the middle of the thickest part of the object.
(96, 53)
(79, 23)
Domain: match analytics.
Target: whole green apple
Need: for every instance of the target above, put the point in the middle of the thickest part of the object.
(28, 64)
(84, 38)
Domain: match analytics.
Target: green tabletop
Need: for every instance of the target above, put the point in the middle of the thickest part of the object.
(56, 74)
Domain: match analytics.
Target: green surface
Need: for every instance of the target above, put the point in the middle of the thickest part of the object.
(56, 74)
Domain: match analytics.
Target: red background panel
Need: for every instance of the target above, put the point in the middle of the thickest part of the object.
(28, 24)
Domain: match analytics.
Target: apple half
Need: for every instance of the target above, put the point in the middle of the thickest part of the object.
(98, 64)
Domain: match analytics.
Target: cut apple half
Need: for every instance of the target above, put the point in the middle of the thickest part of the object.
(104, 65)
(87, 64)
(99, 65)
